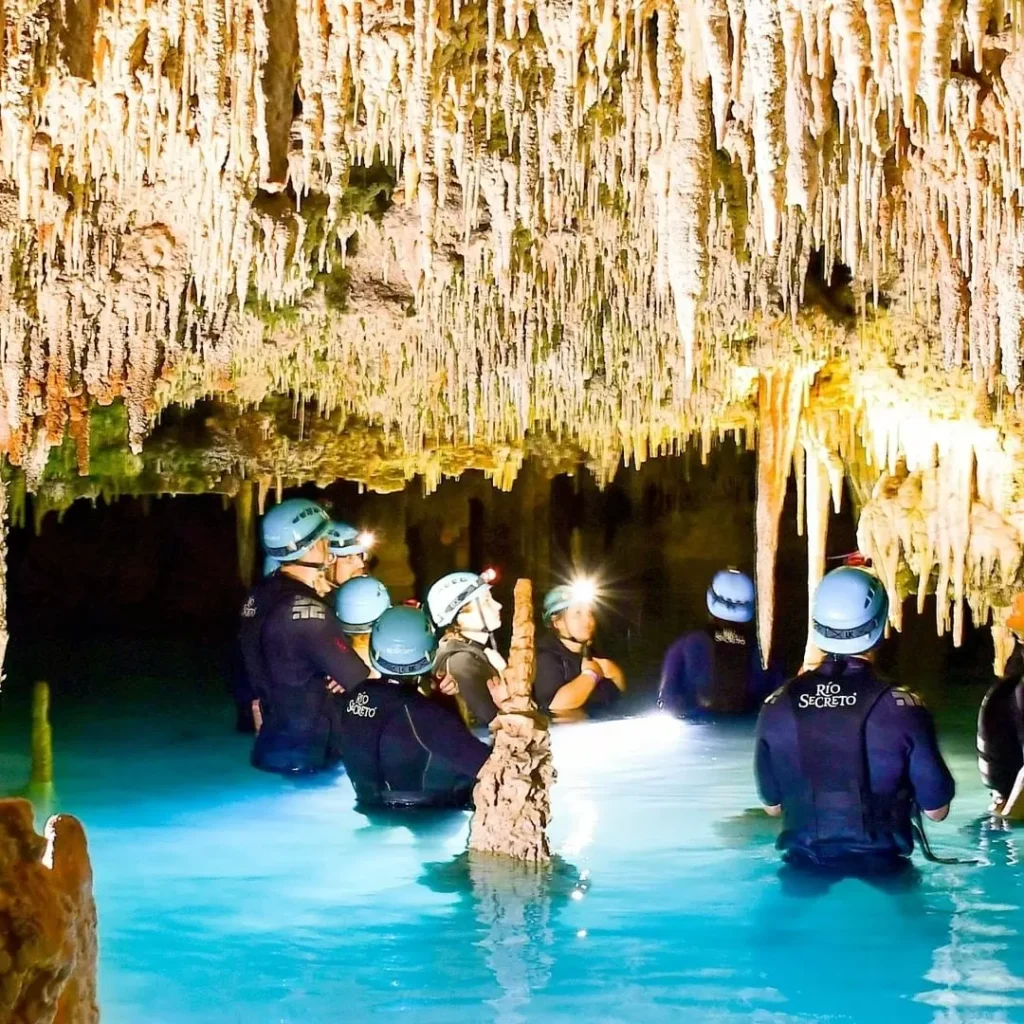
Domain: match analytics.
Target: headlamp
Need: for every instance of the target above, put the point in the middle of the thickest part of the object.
(366, 539)
(489, 575)
(583, 590)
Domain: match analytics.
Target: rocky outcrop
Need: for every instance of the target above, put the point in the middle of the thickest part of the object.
(47, 921)
(512, 795)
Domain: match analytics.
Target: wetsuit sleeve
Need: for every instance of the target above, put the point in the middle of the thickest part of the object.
(767, 785)
(673, 693)
(326, 647)
(929, 775)
(445, 736)
(548, 679)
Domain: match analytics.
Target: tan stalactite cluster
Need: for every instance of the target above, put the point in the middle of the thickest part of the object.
(577, 186)
(513, 793)
(935, 480)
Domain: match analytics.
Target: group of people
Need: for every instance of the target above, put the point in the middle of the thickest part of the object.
(332, 672)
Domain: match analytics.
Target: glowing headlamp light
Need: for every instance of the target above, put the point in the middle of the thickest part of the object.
(489, 575)
(366, 539)
(583, 591)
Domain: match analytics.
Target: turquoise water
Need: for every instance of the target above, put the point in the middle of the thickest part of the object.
(226, 895)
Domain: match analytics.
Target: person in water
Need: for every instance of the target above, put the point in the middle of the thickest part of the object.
(400, 748)
(296, 657)
(468, 663)
(717, 669)
(349, 547)
(358, 604)
(844, 757)
(1001, 729)
(569, 677)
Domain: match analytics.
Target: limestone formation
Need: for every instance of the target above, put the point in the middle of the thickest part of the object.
(583, 202)
(512, 795)
(47, 921)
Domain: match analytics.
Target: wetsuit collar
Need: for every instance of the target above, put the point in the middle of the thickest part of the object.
(481, 640)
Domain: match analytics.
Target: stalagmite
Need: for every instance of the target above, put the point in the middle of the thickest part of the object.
(47, 921)
(512, 796)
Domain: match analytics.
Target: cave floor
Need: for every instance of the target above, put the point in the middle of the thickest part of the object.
(227, 895)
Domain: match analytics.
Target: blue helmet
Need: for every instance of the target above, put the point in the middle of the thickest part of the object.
(565, 595)
(344, 539)
(270, 565)
(360, 602)
(290, 529)
(451, 593)
(850, 611)
(402, 643)
(731, 596)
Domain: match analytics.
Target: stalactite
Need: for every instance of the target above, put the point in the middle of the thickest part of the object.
(512, 796)
(780, 396)
(819, 489)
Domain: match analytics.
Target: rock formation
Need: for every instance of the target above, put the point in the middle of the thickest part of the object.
(512, 795)
(47, 921)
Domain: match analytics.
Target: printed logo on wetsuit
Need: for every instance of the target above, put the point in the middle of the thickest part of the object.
(249, 609)
(307, 609)
(730, 636)
(828, 695)
(360, 705)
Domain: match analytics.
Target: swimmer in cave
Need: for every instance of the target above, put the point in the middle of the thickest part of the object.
(294, 652)
(1001, 729)
(400, 748)
(468, 663)
(569, 676)
(717, 669)
(843, 757)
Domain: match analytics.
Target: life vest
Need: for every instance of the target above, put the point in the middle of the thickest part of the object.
(1001, 729)
(475, 703)
(731, 662)
(834, 806)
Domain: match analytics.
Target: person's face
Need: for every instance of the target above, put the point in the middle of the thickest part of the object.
(577, 623)
(347, 567)
(481, 615)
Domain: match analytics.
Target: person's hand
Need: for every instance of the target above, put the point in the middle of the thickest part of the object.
(257, 716)
(333, 686)
(592, 665)
(448, 685)
(498, 690)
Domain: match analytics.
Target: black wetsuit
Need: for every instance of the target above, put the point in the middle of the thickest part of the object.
(847, 756)
(291, 643)
(402, 749)
(466, 661)
(556, 666)
(1001, 728)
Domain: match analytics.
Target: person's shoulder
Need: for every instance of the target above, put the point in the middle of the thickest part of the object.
(549, 645)
(902, 698)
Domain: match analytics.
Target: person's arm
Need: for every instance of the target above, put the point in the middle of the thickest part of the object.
(930, 776)
(576, 692)
(446, 737)
(767, 785)
(325, 645)
(609, 670)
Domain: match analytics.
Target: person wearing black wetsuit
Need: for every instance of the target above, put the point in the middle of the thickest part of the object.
(296, 658)
(1001, 729)
(400, 748)
(844, 757)
(717, 669)
(569, 677)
